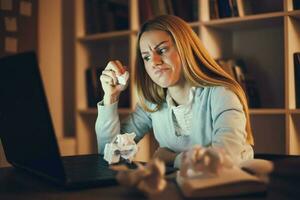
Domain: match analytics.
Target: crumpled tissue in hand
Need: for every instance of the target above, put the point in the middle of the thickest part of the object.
(122, 79)
(204, 162)
(148, 178)
(122, 146)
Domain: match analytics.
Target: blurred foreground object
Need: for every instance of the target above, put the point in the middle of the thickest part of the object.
(209, 172)
(148, 178)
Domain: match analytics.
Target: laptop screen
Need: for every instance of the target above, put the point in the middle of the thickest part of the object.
(26, 128)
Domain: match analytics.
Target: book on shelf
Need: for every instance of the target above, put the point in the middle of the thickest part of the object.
(169, 7)
(187, 10)
(252, 93)
(120, 11)
(244, 7)
(296, 4)
(145, 11)
(213, 9)
(106, 15)
(237, 70)
(297, 78)
(233, 8)
(250, 177)
(252, 7)
(223, 8)
(93, 86)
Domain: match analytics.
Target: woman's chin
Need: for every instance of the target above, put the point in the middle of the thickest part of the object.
(163, 85)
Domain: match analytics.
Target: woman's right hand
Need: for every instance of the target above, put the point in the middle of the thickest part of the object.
(112, 89)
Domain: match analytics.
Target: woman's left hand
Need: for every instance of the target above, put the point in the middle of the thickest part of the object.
(165, 154)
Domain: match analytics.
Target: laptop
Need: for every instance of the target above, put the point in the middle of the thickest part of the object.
(27, 132)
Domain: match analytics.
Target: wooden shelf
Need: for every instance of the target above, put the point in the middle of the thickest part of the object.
(88, 111)
(194, 24)
(106, 36)
(264, 111)
(294, 13)
(294, 111)
(266, 43)
(247, 22)
(94, 111)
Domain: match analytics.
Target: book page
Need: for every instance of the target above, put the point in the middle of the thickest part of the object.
(230, 182)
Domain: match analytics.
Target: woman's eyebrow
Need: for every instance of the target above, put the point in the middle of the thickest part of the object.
(160, 43)
(156, 46)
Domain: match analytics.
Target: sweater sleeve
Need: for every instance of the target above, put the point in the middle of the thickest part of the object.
(108, 124)
(138, 122)
(229, 125)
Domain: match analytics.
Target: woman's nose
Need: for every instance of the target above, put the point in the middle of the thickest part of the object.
(156, 60)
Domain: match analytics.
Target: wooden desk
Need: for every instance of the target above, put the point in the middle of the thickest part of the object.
(15, 184)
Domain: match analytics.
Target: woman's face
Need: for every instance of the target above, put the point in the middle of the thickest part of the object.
(161, 58)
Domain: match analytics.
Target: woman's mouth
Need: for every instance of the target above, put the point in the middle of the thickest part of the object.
(160, 71)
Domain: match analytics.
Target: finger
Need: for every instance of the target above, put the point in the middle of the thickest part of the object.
(115, 66)
(111, 74)
(120, 87)
(107, 80)
(104, 79)
(121, 67)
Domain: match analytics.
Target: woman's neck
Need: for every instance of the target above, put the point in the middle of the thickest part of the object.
(180, 93)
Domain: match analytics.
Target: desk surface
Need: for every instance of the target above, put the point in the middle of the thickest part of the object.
(15, 184)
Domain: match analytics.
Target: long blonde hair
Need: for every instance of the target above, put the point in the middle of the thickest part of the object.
(199, 68)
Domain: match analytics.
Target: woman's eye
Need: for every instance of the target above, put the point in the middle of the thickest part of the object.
(146, 58)
(162, 50)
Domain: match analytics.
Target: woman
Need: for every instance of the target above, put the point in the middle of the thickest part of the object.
(185, 97)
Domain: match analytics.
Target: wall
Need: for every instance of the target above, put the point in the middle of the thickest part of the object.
(49, 31)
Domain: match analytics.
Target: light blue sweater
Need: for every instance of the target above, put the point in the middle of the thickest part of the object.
(218, 121)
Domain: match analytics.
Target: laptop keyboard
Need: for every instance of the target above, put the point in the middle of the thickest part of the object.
(87, 167)
(91, 167)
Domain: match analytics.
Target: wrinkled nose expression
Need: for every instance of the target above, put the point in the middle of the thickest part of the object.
(161, 59)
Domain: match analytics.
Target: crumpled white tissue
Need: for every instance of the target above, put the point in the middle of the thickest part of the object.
(204, 162)
(122, 79)
(147, 178)
(122, 146)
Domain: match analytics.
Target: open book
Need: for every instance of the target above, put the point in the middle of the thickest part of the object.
(249, 177)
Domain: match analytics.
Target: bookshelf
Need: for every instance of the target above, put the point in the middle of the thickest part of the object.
(95, 50)
(265, 41)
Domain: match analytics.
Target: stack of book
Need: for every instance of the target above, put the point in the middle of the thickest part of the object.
(237, 69)
(106, 15)
(296, 4)
(240, 8)
(187, 10)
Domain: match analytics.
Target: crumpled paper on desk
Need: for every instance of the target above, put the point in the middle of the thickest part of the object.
(149, 178)
(204, 162)
(122, 146)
